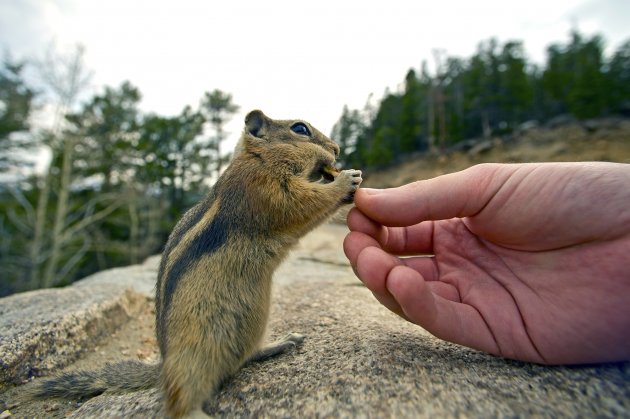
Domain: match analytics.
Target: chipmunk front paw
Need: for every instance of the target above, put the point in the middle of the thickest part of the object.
(349, 180)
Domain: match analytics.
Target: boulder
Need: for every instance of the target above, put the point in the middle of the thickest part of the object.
(42, 331)
(358, 359)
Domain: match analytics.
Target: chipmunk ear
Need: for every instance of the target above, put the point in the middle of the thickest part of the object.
(255, 122)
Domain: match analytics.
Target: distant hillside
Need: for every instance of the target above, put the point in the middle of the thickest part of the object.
(560, 140)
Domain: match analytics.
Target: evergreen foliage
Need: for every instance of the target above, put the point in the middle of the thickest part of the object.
(16, 103)
(117, 182)
(490, 93)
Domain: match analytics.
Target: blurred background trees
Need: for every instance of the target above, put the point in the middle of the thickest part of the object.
(490, 93)
(217, 108)
(16, 103)
(117, 180)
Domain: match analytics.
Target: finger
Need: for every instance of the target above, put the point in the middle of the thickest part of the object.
(372, 267)
(426, 266)
(444, 290)
(354, 243)
(391, 304)
(397, 240)
(357, 221)
(448, 320)
(410, 240)
(459, 194)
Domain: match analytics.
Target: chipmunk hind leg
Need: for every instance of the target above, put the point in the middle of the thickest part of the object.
(198, 413)
(185, 391)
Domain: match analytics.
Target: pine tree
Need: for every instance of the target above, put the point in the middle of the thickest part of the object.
(16, 104)
(619, 79)
(217, 107)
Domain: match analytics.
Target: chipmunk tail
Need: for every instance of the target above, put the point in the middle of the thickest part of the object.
(113, 377)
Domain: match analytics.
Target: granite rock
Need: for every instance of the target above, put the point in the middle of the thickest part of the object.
(41, 331)
(358, 359)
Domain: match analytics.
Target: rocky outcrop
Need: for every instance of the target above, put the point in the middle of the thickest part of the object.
(43, 331)
(358, 359)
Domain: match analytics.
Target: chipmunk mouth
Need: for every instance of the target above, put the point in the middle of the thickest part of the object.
(324, 172)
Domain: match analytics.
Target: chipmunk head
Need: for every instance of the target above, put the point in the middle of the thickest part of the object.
(288, 138)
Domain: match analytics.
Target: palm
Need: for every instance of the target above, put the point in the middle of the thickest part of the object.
(490, 282)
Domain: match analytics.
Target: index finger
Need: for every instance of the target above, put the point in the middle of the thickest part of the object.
(411, 240)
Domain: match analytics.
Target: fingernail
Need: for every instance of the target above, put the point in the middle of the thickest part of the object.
(370, 191)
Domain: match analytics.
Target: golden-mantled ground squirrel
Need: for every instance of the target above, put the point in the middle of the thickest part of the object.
(214, 283)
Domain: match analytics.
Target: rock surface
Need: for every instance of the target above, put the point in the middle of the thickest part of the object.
(44, 330)
(358, 359)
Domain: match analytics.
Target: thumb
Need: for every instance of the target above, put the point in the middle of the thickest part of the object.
(460, 194)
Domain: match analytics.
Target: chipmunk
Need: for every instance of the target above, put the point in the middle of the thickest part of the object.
(214, 282)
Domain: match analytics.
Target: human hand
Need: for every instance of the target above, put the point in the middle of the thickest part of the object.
(527, 261)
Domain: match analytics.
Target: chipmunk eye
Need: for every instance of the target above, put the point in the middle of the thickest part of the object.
(300, 128)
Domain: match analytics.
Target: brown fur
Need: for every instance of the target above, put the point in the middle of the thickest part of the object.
(214, 284)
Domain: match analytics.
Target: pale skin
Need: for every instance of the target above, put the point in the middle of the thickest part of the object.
(525, 261)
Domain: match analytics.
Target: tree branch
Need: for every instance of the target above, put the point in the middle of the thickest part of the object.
(85, 222)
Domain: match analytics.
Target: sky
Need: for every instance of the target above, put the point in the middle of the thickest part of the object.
(290, 59)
